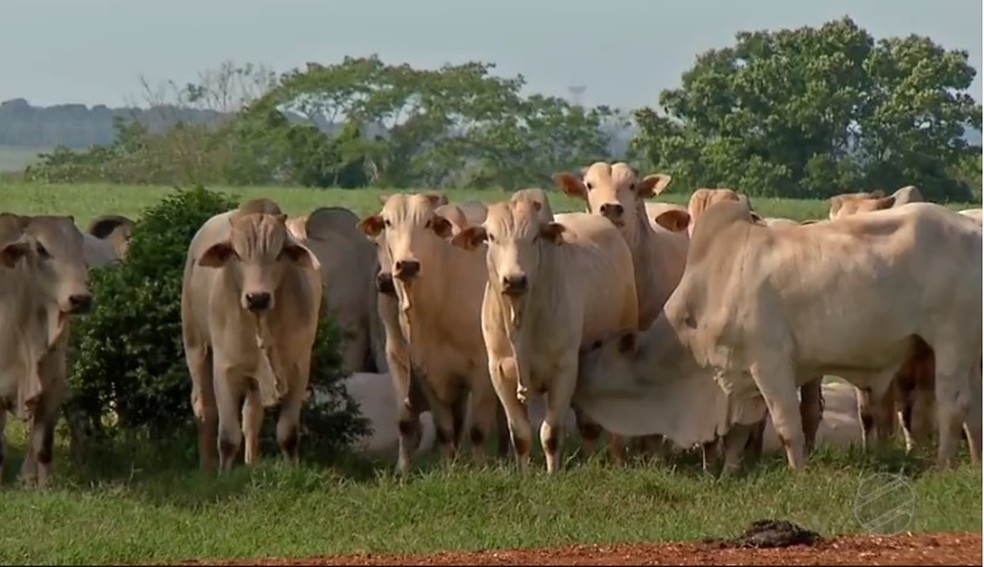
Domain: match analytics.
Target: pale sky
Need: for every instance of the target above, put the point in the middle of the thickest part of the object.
(624, 51)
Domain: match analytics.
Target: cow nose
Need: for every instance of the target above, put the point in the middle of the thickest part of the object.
(258, 301)
(514, 285)
(80, 302)
(384, 283)
(406, 269)
(612, 210)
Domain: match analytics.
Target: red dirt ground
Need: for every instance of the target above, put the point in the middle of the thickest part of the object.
(959, 548)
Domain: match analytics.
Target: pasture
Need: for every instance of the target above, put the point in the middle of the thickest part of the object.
(148, 503)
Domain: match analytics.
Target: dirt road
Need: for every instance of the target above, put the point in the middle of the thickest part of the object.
(908, 549)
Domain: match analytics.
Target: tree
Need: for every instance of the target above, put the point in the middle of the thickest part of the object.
(811, 111)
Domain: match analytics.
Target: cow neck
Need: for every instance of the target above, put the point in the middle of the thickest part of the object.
(428, 297)
(662, 349)
(28, 335)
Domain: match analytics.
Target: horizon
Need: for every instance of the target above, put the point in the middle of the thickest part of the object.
(570, 50)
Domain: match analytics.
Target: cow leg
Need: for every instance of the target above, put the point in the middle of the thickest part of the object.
(811, 409)
(972, 425)
(953, 404)
(203, 404)
(776, 381)
(504, 377)
(289, 422)
(558, 404)
(735, 445)
(654, 446)
(589, 430)
(877, 414)
(709, 455)
(41, 434)
(619, 447)
(484, 405)
(229, 389)
(252, 422)
(3, 440)
(502, 429)
(443, 415)
(754, 442)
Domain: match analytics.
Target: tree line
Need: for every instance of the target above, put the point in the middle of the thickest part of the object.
(804, 112)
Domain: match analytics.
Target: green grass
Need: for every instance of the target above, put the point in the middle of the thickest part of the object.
(137, 506)
(16, 158)
(91, 200)
(147, 503)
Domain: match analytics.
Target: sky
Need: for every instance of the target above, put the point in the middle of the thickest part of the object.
(623, 51)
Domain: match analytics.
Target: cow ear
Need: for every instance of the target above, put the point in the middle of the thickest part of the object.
(13, 252)
(570, 185)
(470, 238)
(627, 343)
(835, 203)
(383, 198)
(301, 256)
(673, 220)
(436, 199)
(757, 218)
(877, 194)
(371, 226)
(103, 226)
(652, 185)
(885, 202)
(553, 232)
(217, 255)
(281, 218)
(441, 226)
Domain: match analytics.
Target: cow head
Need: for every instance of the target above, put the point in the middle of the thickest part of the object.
(847, 204)
(407, 233)
(515, 233)
(116, 228)
(258, 251)
(613, 191)
(52, 246)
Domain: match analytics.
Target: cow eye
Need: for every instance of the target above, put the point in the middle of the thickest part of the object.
(387, 223)
(589, 185)
(43, 252)
(632, 187)
(428, 224)
(489, 237)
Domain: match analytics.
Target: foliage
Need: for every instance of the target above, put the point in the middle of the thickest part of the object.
(130, 376)
(809, 112)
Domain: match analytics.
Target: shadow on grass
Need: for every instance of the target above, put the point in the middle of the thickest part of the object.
(164, 472)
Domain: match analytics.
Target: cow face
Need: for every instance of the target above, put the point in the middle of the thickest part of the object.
(52, 246)
(257, 253)
(515, 233)
(612, 191)
(408, 232)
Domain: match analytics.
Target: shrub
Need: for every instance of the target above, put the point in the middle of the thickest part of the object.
(129, 375)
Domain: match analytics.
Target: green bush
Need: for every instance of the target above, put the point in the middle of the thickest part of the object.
(129, 374)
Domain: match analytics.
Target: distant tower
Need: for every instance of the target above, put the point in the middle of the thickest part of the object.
(576, 92)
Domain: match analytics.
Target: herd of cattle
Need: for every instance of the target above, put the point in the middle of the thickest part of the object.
(669, 327)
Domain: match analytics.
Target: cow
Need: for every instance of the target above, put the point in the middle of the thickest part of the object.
(437, 307)
(378, 406)
(701, 199)
(550, 287)
(766, 312)
(847, 204)
(915, 378)
(43, 284)
(116, 230)
(347, 262)
(250, 303)
(659, 247)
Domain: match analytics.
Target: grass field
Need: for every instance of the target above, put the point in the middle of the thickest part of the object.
(145, 503)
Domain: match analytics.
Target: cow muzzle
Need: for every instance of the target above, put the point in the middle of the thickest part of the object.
(79, 303)
(613, 212)
(514, 285)
(384, 283)
(258, 301)
(406, 269)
